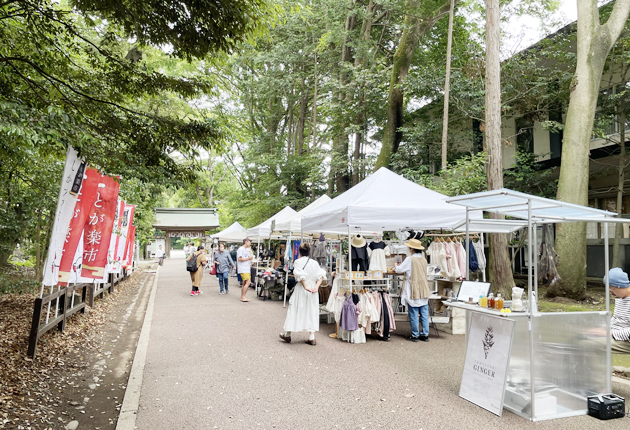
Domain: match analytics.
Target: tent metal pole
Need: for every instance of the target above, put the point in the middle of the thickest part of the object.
(286, 280)
(467, 244)
(483, 249)
(535, 257)
(349, 255)
(608, 338)
(530, 311)
(529, 256)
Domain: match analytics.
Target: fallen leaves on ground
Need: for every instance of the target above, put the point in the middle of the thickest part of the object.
(31, 390)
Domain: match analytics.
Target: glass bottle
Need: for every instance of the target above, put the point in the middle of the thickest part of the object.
(498, 304)
(490, 301)
(483, 301)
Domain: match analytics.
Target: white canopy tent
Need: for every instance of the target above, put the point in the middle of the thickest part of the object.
(263, 230)
(385, 201)
(294, 224)
(234, 233)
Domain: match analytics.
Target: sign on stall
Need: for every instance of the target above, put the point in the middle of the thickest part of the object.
(488, 349)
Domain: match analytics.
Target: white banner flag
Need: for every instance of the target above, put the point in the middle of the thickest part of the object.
(70, 187)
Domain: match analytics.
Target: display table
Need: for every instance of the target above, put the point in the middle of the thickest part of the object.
(562, 352)
(270, 285)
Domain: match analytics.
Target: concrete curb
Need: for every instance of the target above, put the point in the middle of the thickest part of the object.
(131, 401)
(622, 381)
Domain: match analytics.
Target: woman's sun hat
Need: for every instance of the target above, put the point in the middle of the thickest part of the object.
(415, 244)
(358, 241)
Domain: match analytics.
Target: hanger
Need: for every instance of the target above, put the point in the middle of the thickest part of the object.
(448, 239)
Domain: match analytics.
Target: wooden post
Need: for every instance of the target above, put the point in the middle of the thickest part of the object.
(84, 292)
(91, 295)
(63, 303)
(37, 316)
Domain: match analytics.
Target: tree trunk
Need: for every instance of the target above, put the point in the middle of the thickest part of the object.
(301, 119)
(361, 62)
(447, 85)
(340, 165)
(621, 115)
(594, 42)
(499, 269)
(413, 28)
(314, 122)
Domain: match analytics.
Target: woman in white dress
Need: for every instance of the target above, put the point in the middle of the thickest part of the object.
(303, 311)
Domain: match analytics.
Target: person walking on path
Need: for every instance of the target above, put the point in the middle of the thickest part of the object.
(416, 290)
(198, 274)
(223, 261)
(303, 311)
(244, 258)
(159, 254)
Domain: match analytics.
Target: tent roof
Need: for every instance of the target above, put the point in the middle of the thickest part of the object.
(491, 226)
(515, 204)
(263, 230)
(234, 233)
(384, 201)
(186, 219)
(294, 224)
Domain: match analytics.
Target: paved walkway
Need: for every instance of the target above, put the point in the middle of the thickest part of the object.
(215, 362)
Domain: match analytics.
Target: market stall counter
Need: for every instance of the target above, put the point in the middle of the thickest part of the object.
(564, 361)
(539, 365)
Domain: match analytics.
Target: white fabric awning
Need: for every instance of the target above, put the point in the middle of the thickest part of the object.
(519, 205)
(263, 230)
(234, 233)
(294, 224)
(385, 201)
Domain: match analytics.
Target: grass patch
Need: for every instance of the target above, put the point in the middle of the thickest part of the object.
(621, 360)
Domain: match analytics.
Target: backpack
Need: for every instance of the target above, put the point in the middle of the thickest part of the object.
(191, 266)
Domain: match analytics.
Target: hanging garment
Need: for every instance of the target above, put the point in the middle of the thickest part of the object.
(359, 258)
(443, 260)
(349, 319)
(324, 293)
(451, 257)
(296, 247)
(433, 251)
(481, 256)
(378, 252)
(460, 251)
(387, 316)
(548, 263)
(319, 252)
(472, 258)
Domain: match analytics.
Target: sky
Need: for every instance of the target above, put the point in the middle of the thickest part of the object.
(524, 31)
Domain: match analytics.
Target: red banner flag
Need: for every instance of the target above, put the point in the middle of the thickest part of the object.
(84, 202)
(131, 241)
(113, 265)
(98, 228)
(127, 222)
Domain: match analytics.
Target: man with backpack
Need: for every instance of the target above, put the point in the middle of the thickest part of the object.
(195, 262)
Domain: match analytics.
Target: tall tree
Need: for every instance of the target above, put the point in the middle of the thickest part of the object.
(420, 17)
(594, 42)
(499, 267)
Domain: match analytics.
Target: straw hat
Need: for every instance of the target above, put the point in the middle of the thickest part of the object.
(358, 241)
(415, 244)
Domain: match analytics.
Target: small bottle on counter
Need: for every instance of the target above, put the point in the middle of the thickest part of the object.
(490, 301)
(483, 301)
(498, 303)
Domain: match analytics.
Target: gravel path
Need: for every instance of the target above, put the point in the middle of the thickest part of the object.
(215, 362)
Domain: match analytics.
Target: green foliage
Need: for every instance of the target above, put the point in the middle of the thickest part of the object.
(16, 283)
(464, 176)
(193, 28)
(527, 175)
